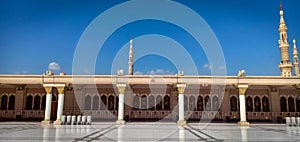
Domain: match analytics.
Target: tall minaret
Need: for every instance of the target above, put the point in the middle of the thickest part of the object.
(296, 61)
(130, 62)
(285, 64)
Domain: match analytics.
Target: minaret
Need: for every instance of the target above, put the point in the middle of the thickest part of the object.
(130, 62)
(285, 64)
(296, 61)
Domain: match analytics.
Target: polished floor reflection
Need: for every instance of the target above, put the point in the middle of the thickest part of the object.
(146, 131)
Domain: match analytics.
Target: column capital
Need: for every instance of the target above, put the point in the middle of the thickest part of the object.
(48, 89)
(181, 88)
(60, 90)
(242, 89)
(121, 88)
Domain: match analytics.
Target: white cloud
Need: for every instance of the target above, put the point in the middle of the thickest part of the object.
(160, 72)
(22, 72)
(222, 68)
(207, 66)
(138, 73)
(54, 66)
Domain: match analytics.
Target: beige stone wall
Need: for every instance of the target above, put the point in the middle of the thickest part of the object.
(72, 102)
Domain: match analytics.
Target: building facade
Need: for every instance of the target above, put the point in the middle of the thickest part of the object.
(170, 97)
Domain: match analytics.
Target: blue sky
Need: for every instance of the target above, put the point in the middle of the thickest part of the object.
(37, 33)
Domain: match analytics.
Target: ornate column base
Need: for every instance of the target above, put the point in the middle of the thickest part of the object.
(243, 123)
(181, 123)
(57, 122)
(120, 122)
(45, 122)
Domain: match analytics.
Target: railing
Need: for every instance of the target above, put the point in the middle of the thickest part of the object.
(101, 114)
(149, 114)
(155, 114)
(22, 114)
(7, 114)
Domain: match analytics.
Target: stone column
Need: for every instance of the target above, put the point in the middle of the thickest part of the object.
(60, 105)
(181, 89)
(48, 90)
(242, 91)
(121, 90)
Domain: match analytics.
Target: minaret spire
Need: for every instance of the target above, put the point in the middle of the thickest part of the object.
(285, 64)
(130, 62)
(296, 59)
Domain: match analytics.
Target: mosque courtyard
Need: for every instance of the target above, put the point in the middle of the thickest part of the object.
(147, 131)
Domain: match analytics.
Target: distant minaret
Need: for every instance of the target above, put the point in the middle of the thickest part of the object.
(285, 64)
(296, 61)
(130, 62)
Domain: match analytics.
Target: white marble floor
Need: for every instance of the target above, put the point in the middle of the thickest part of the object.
(146, 131)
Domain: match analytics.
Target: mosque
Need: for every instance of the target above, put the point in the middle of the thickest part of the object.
(179, 98)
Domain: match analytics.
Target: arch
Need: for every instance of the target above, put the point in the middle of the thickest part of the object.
(4, 102)
(298, 104)
(111, 102)
(11, 102)
(144, 102)
(43, 102)
(117, 103)
(29, 102)
(257, 105)
(249, 104)
(151, 103)
(185, 103)
(95, 105)
(291, 104)
(103, 103)
(283, 105)
(192, 105)
(207, 103)
(215, 103)
(87, 103)
(233, 103)
(136, 103)
(167, 103)
(158, 103)
(265, 104)
(200, 103)
(37, 102)
(54, 98)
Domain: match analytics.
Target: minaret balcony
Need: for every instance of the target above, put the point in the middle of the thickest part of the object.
(286, 65)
